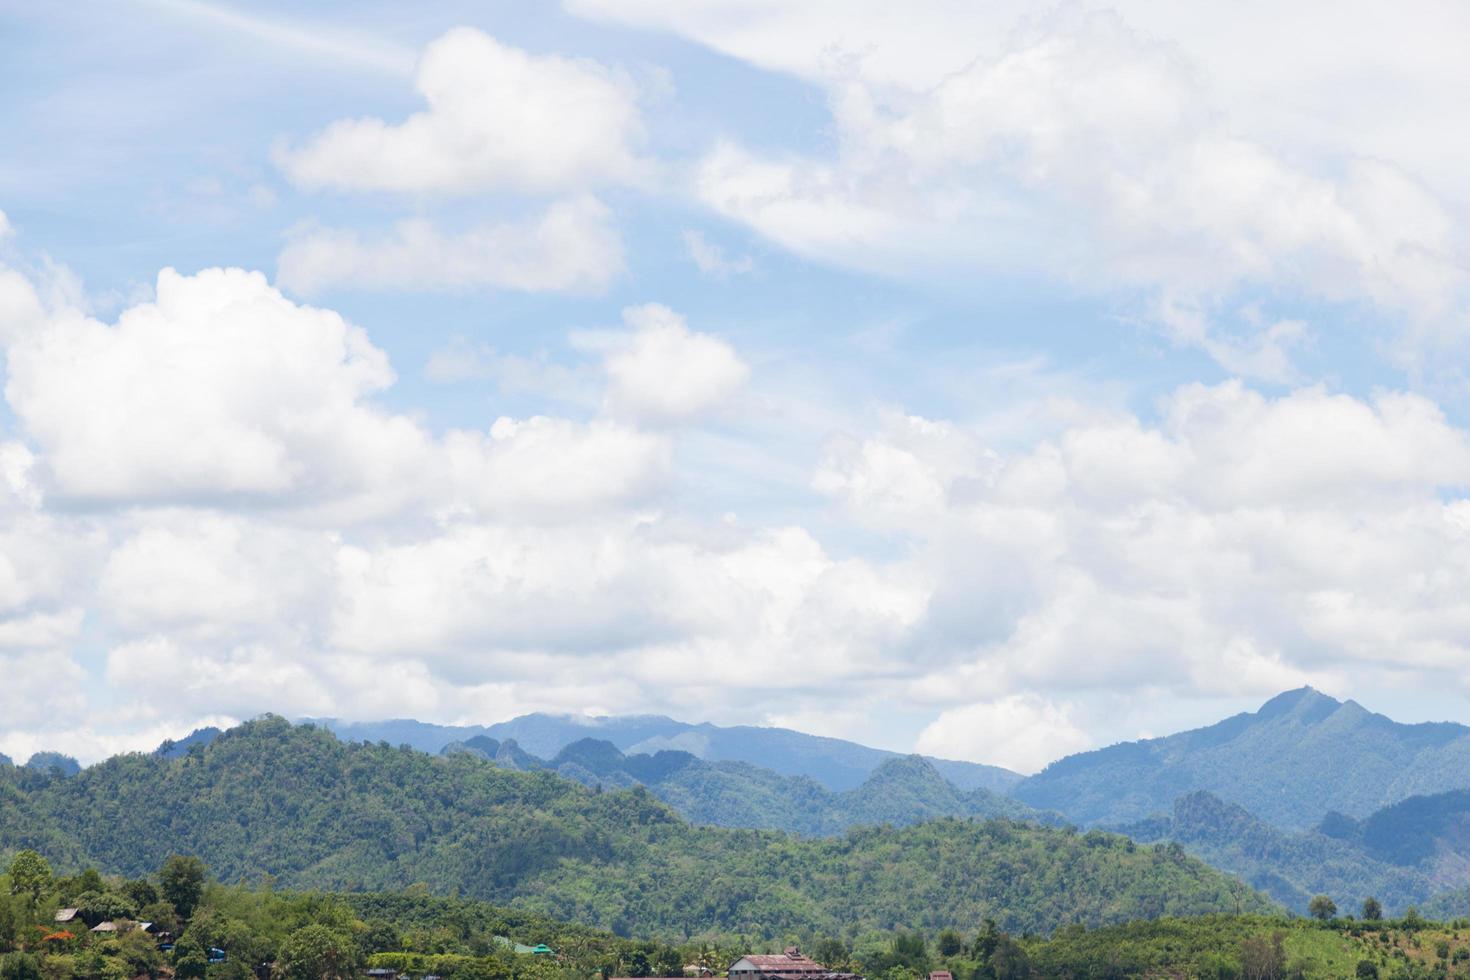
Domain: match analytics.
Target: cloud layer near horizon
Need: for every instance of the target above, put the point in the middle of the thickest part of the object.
(231, 508)
(621, 483)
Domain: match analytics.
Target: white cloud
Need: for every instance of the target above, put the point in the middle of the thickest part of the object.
(219, 387)
(222, 390)
(711, 260)
(553, 467)
(209, 575)
(1020, 732)
(496, 117)
(1089, 147)
(1244, 544)
(39, 688)
(661, 371)
(572, 247)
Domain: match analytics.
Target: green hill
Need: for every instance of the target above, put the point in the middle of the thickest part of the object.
(1301, 755)
(315, 812)
(902, 790)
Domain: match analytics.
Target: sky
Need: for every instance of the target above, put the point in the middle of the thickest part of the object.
(994, 381)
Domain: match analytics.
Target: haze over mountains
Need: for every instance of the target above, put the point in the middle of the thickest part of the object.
(1302, 754)
(835, 763)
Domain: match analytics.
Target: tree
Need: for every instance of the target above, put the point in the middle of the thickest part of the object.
(1367, 970)
(20, 966)
(30, 875)
(95, 907)
(829, 952)
(183, 879)
(316, 952)
(190, 960)
(1412, 920)
(949, 943)
(1009, 960)
(1262, 958)
(1322, 908)
(1372, 911)
(985, 942)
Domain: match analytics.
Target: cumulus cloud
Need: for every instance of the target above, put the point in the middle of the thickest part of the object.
(496, 116)
(1242, 544)
(661, 371)
(1021, 732)
(711, 260)
(1085, 146)
(554, 467)
(572, 247)
(221, 390)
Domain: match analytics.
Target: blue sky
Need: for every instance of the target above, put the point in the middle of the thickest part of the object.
(995, 383)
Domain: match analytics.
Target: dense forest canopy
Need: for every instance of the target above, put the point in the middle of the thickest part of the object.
(179, 922)
(296, 803)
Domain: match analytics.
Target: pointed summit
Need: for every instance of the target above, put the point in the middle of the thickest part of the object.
(1304, 700)
(1300, 755)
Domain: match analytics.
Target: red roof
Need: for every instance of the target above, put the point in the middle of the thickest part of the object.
(784, 963)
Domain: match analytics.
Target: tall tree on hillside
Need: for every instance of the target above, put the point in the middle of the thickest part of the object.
(183, 883)
(316, 952)
(1322, 908)
(1372, 911)
(30, 875)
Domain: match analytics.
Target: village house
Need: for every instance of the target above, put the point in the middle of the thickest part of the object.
(790, 965)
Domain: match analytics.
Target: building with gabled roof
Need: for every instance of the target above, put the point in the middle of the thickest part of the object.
(790, 965)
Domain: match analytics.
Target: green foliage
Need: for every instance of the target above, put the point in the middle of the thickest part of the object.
(30, 875)
(104, 906)
(19, 966)
(1321, 907)
(1372, 910)
(183, 879)
(316, 952)
(317, 813)
(1290, 867)
(191, 961)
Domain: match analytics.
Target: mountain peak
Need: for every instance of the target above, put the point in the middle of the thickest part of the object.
(1304, 699)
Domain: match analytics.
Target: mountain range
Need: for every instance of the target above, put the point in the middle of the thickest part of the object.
(902, 790)
(833, 762)
(1306, 795)
(312, 811)
(1298, 757)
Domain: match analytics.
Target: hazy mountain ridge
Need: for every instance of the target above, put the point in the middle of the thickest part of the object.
(316, 812)
(835, 763)
(1302, 754)
(900, 791)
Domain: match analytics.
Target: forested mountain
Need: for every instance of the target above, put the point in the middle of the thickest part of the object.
(1301, 755)
(1291, 867)
(48, 761)
(297, 803)
(834, 763)
(1411, 853)
(902, 790)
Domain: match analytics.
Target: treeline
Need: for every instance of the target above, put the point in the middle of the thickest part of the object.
(316, 813)
(201, 929)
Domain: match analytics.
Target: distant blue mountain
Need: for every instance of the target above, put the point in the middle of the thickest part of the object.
(900, 791)
(1299, 756)
(835, 764)
(200, 737)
